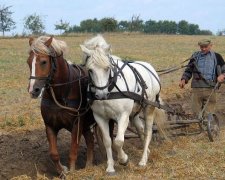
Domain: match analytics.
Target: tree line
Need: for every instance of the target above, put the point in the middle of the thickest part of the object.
(34, 24)
(138, 25)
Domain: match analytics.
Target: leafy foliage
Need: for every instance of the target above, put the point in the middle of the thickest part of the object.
(108, 24)
(34, 24)
(6, 22)
(62, 26)
(138, 25)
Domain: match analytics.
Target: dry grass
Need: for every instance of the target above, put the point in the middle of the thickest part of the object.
(184, 158)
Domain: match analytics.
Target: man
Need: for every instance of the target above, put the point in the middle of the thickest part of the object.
(206, 68)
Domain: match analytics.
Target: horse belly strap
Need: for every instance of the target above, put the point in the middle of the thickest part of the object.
(136, 97)
(69, 103)
(118, 95)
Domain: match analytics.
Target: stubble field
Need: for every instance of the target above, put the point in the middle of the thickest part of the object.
(23, 144)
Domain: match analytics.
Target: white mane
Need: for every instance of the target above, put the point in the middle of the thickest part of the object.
(97, 41)
(39, 46)
(99, 52)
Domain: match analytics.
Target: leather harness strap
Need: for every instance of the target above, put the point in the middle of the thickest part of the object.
(137, 98)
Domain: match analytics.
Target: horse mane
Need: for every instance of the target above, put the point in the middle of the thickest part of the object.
(97, 41)
(59, 47)
(100, 51)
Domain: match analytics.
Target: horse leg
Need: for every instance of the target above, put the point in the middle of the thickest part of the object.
(75, 140)
(119, 140)
(138, 124)
(53, 152)
(149, 116)
(111, 129)
(104, 126)
(89, 139)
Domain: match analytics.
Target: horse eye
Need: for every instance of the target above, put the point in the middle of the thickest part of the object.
(90, 71)
(43, 62)
(106, 69)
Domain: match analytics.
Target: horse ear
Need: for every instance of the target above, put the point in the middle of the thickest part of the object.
(85, 50)
(31, 40)
(49, 41)
(108, 48)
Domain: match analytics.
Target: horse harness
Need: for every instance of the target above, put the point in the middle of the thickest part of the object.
(49, 85)
(140, 99)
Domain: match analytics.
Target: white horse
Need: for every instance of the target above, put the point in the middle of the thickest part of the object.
(109, 75)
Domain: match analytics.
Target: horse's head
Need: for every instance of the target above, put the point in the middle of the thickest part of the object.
(42, 63)
(96, 55)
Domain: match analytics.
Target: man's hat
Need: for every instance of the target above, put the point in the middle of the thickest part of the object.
(204, 42)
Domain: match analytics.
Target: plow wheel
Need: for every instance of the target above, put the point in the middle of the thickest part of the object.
(213, 127)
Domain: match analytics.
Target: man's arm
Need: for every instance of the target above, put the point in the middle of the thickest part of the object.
(221, 63)
(187, 73)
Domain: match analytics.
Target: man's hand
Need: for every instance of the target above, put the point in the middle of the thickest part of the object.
(221, 78)
(182, 83)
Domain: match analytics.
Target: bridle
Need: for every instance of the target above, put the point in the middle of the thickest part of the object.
(49, 84)
(48, 79)
(111, 81)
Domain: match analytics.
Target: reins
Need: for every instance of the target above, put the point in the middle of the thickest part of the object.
(75, 110)
(49, 85)
(175, 68)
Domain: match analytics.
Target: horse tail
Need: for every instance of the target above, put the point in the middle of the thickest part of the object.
(161, 121)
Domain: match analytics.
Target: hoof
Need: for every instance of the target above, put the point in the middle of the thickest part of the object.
(63, 173)
(111, 173)
(142, 164)
(124, 163)
(65, 169)
(89, 165)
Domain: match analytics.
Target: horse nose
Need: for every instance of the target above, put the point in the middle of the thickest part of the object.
(101, 96)
(37, 90)
(98, 96)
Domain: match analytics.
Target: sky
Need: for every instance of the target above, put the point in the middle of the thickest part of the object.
(208, 14)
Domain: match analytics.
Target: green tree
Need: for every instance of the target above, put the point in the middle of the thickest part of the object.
(74, 28)
(193, 29)
(205, 32)
(108, 24)
(90, 25)
(34, 24)
(62, 26)
(151, 26)
(183, 27)
(123, 26)
(6, 22)
(168, 27)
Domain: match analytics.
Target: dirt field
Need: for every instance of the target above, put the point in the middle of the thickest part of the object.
(26, 152)
(23, 143)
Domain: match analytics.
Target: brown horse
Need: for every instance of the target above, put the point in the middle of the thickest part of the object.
(62, 87)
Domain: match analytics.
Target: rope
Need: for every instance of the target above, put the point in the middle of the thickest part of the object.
(175, 68)
(166, 71)
(69, 108)
(78, 129)
(64, 107)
